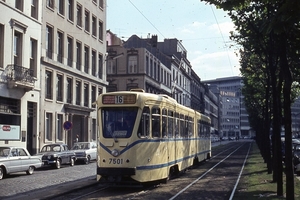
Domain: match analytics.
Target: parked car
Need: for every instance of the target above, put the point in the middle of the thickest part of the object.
(85, 151)
(296, 158)
(56, 155)
(17, 159)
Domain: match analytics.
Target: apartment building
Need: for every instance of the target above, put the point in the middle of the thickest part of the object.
(20, 36)
(129, 68)
(234, 120)
(73, 47)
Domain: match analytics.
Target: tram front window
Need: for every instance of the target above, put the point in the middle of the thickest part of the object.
(118, 122)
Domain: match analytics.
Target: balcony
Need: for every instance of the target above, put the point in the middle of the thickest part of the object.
(19, 77)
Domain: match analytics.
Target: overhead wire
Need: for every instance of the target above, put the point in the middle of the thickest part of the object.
(222, 38)
(146, 19)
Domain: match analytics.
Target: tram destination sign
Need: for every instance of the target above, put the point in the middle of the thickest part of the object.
(119, 99)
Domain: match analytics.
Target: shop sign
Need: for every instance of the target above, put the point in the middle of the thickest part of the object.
(9, 132)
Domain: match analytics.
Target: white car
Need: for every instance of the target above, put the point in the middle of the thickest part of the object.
(17, 159)
(85, 151)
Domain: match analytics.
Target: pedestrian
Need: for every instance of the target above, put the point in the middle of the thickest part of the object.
(77, 138)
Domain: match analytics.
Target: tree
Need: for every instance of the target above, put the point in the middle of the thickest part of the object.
(268, 30)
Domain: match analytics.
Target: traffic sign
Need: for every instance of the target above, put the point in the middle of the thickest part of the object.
(68, 125)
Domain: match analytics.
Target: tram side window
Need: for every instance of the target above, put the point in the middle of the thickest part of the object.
(202, 133)
(191, 127)
(170, 124)
(143, 131)
(206, 131)
(199, 128)
(182, 126)
(186, 127)
(155, 122)
(164, 123)
(176, 120)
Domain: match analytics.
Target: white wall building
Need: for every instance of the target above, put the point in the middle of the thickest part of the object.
(20, 38)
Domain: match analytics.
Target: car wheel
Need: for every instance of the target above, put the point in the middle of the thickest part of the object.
(72, 162)
(88, 160)
(1, 173)
(30, 170)
(58, 164)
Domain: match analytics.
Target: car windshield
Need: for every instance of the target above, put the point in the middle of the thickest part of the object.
(78, 146)
(118, 122)
(4, 151)
(49, 148)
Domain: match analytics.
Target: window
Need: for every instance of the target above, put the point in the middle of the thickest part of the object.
(78, 92)
(48, 126)
(18, 37)
(101, 4)
(60, 46)
(156, 122)
(86, 59)
(70, 51)
(147, 65)
(49, 41)
(19, 4)
(48, 85)
(50, 4)
(79, 15)
(69, 90)
(59, 87)
(59, 127)
(93, 95)
(1, 45)
(78, 55)
(71, 10)
(94, 63)
(61, 7)
(86, 94)
(100, 30)
(111, 66)
(100, 66)
(34, 9)
(87, 20)
(100, 90)
(132, 64)
(33, 57)
(144, 126)
(94, 26)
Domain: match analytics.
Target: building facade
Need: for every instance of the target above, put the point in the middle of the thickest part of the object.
(234, 119)
(20, 36)
(72, 73)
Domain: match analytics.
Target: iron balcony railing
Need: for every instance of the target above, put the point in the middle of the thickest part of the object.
(20, 74)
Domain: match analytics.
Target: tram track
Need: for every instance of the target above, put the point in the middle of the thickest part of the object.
(205, 179)
(212, 168)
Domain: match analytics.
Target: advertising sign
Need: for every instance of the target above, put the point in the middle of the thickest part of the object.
(9, 132)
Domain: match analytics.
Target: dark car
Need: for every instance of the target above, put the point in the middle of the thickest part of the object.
(56, 155)
(296, 158)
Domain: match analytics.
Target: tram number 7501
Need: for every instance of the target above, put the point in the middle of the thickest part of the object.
(116, 161)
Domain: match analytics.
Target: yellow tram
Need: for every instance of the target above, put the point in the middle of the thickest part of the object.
(146, 137)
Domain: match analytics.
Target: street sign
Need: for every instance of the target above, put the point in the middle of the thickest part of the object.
(68, 125)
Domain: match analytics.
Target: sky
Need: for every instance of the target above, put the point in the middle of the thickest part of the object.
(203, 30)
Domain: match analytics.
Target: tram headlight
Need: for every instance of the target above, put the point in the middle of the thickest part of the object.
(115, 152)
